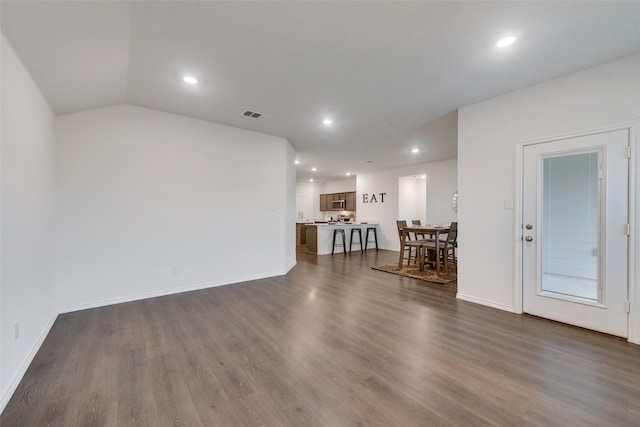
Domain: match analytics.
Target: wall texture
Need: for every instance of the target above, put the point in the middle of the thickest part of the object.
(488, 134)
(342, 186)
(308, 200)
(289, 207)
(27, 286)
(150, 203)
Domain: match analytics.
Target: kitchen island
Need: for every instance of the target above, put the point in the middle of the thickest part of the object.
(320, 237)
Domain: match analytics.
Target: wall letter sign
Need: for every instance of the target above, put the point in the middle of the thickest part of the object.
(373, 198)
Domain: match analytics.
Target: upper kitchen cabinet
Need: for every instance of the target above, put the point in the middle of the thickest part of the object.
(323, 202)
(349, 201)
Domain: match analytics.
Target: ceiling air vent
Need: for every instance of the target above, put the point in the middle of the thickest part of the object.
(252, 114)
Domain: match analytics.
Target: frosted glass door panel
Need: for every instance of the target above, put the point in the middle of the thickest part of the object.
(570, 225)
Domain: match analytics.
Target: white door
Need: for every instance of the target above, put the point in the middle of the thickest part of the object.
(575, 232)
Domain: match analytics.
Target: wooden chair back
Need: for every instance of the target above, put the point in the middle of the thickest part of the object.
(418, 236)
(401, 224)
(452, 236)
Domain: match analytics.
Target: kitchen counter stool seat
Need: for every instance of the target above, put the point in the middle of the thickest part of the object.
(344, 242)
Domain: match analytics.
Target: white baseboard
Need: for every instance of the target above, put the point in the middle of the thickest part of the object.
(290, 266)
(165, 292)
(11, 388)
(486, 302)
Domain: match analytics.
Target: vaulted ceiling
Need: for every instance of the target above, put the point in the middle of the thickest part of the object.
(390, 75)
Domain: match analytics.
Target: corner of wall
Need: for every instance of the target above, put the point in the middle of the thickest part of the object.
(485, 302)
(27, 223)
(11, 387)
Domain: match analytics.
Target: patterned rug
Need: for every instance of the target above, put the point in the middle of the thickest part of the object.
(414, 272)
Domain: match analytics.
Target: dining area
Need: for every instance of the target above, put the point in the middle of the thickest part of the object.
(429, 247)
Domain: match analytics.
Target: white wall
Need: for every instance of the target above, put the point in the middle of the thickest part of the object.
(289, 207)
(308, 200)
(342, 186)
(488, 133)
(421, 203)
(441, 183)
(27, 287)
(140, 191)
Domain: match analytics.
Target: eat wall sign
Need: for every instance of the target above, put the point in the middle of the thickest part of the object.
(366, 198)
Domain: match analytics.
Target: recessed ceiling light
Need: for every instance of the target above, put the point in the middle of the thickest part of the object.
(415, 150)
(506, 41)
(348, 174)
(310, 179)
(327, 122)
(297, 162)
(314, 169)
(190, 79)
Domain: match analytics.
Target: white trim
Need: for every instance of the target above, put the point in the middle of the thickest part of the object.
(166, 292)
(485, 302)
(634, 237)
(290, 266)
(13, 385)
(585, 132)
(634, 218)
(517, 241)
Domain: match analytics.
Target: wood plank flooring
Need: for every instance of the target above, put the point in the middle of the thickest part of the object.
(333, 343)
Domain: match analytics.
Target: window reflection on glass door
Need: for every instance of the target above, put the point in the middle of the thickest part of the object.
(570, 225)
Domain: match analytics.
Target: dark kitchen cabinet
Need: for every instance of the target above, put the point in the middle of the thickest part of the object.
(349, 200)
(323, 202)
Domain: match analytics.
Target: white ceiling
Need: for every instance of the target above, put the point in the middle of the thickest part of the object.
(390, 74)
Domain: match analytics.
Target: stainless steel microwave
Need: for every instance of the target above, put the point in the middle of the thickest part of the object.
(337, 205)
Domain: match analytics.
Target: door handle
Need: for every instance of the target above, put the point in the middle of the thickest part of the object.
(529, 239)
(528, 226)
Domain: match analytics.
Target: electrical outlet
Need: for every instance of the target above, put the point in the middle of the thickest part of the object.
(16, 331)
(174, 269)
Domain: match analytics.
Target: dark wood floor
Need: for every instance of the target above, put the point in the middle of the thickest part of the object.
(333, 343)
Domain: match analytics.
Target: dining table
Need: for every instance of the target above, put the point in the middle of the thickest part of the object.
(432, 230)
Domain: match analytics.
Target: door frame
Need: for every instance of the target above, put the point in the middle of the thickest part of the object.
(633, 261)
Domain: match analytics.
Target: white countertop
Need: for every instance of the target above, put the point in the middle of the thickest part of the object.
(325, 235)
(353, 224)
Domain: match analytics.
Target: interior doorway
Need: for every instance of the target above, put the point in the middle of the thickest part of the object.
(412, 198)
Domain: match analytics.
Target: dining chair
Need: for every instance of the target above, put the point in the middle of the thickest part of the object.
(417, 222)
(423, 236)
(409, 246)
(444, 249)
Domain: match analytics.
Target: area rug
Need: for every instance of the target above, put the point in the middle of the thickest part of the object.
(414, 272)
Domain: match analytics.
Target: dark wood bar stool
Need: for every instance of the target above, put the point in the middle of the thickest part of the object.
(359, 231)
(375, 236)
(344, 242)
